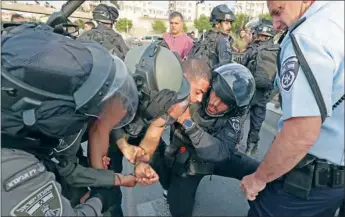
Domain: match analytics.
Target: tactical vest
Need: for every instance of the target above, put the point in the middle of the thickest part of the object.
(190, 163)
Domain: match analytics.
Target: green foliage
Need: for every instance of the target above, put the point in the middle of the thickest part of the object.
(185, 28)
(266, 16)
(159, 26)
(121, 25)
(80, 23)
(239, 23)
(202, 23)
(116, 4)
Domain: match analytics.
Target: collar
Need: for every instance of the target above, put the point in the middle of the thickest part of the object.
(315, 7)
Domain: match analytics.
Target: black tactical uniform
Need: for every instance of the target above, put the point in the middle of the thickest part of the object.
(260, 58)
(153, 80)
(206, 144)
(215, 45)
(107, 37)
(36, 113)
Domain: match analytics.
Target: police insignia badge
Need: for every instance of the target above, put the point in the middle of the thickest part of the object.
(45, 201)
(289, 72)
(235, 123)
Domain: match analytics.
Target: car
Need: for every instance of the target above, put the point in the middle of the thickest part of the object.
(150, 38)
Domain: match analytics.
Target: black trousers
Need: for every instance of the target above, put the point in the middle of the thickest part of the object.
(257, 113)
(182, 190)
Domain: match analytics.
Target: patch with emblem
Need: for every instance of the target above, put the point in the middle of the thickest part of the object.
(45, 201)
(235, 123)
(23, 176)
(289, 72)
(65, 143)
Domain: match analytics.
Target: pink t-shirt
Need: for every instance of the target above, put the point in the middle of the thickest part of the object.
(180, 44)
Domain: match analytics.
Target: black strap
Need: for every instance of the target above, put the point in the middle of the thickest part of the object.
(310, 78)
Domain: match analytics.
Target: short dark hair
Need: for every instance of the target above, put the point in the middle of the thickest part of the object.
(90, 23)
(175, 14)
(196, 67)
(16, 16)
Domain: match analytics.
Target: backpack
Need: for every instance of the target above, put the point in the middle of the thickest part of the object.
(206, 48)
(264, 64)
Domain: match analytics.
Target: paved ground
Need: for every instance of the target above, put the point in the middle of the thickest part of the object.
(218, 197)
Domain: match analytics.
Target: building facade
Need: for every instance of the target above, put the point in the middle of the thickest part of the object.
(190, 10)
(251, 8)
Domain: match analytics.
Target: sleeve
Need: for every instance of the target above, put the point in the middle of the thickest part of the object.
(297, 96)
(92, 207)
(79, 176)
(246, 57)
(216, 147)
(224, 51)
(122, 45)
(188, 47)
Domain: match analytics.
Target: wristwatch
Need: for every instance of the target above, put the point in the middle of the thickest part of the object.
(188, 124)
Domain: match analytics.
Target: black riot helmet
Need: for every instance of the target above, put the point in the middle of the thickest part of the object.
(105, 14)
(234, 84)
(221, 13)
(52, 84)
(155, 68)
(263, 27)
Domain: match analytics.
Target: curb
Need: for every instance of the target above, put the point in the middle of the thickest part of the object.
(270, 107)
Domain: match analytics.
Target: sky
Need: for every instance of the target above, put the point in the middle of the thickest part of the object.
(163, 4)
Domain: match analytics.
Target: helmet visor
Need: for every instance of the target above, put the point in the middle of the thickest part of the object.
(118, 107)
(241, 82)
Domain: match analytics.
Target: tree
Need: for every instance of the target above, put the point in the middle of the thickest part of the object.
(121, 25)
(80, 23)
(116, 4)
(239, 23)
(159, 26)
(202, 23)
(185, 28)
(266, 16)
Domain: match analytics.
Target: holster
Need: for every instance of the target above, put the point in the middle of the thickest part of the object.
(299, 180)
(199, 167)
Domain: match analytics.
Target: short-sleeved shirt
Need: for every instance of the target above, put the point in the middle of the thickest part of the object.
(321, 39)
(181, 44)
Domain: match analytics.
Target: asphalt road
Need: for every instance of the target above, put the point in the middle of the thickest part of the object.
(217, 197)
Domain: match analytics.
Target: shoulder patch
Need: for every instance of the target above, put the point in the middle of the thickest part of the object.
(235, 123)
(45, 201)
(289, 72)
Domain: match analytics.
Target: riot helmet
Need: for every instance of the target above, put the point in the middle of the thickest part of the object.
(221, 13)
(105, 14)
(154, 69)
(51, 85)
(264, 27)
(234, 84)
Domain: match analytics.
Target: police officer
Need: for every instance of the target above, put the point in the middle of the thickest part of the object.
(260, 58)
(139, 140)
(104, 34)
(36, 113)
(204, 139)
(303, 172)
(215, 44)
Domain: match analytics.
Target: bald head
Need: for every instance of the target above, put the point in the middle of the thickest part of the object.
(286, 13)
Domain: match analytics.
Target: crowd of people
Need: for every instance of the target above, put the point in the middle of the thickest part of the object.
(60, 89)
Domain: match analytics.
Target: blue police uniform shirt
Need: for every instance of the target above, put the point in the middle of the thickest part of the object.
(321, 39)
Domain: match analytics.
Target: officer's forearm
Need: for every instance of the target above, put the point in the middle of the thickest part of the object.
(208, 147)
(152, 138)
(79, 176)
(290, 146)
(98, 143)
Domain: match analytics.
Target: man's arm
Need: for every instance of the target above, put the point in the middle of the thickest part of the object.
(224, 51)
(290, 146)
(214, 148)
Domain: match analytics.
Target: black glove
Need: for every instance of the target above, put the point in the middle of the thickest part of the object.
(159, 104)
(104, 194)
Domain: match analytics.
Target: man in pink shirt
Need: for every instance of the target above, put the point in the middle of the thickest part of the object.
(176, 39)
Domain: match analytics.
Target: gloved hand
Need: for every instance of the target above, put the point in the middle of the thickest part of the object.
(160, 104)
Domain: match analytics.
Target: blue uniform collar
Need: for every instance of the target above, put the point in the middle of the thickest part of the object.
(317, 5)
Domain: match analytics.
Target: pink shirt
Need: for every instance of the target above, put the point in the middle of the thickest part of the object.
(180, 44)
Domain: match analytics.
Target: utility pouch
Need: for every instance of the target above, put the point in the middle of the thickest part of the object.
(322, 174)
(299, 180)
(196, 167)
